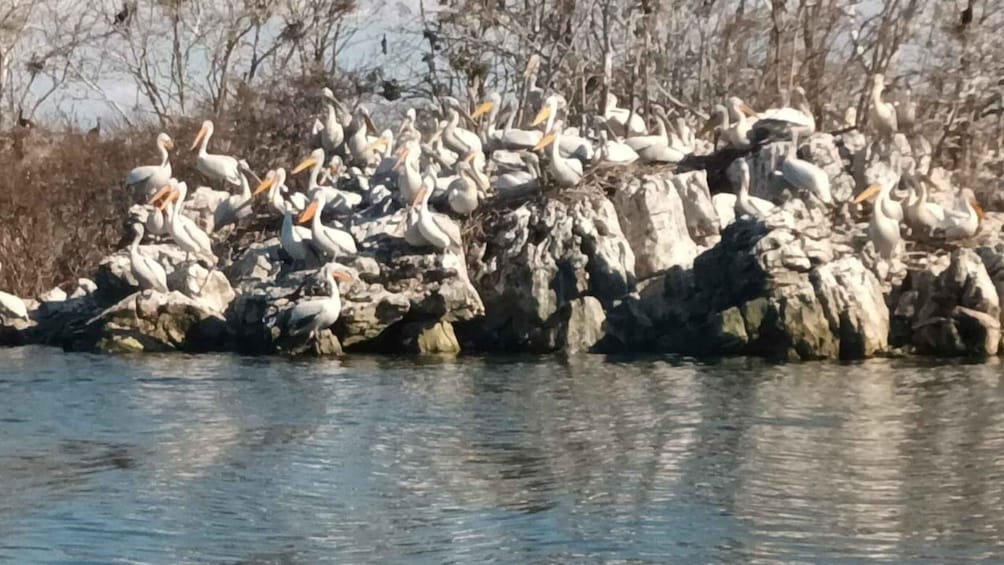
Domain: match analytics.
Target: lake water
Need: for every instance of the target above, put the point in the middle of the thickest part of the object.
(221, 459)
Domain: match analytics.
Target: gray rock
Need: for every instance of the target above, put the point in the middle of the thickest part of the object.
(582, 323)
(654, 222)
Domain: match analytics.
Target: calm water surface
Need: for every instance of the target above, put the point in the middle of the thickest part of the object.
(222, 459)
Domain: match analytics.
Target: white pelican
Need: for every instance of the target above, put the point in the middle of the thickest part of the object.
(275, 184)
(805, 176)
(235, 207)
(437, 230)
(881, 114)
(149, 178)
(462, 194)
(656, 148)
(332, 135)
(12, 305)
(614, 151)
(906, 111)
(787, 122)
(340, 200)
(317, 313)
(358, 143)
(315, 134)
(617, 119)
(295, 240)
(883, 231)
(736, 133)
(566, 172)
(185, 233)
(333, 243)
(569, 145)
(520, 181)
(156, 222)
(217, 167)
(409, 177)
(508, 137)
(962, 223)
(148, 272)
(408, 132)
(459, 140)
(922, 215)
(746, 205)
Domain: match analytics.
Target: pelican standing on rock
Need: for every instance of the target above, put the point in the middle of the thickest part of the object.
(148, 179)
(185, 233)
(333, 243)
(623, 121)
(275, 184)
(508, 137)
(332, 135)
(314, 314)
(656, 148)
(736, 133)
(235, 207)
(462, 194)
(147, 271)
(746, 205)
(883, 230)
(569, 145)
(805, 176)
(217, 167)
(566, 172)
(881, 114)
(436, 230)
(340, 200)
(787, 122)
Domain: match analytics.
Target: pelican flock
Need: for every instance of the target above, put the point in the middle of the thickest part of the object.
(447, 159)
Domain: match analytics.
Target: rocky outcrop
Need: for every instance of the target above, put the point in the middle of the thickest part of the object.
(654, 222)
(951, 309)
(537, 259)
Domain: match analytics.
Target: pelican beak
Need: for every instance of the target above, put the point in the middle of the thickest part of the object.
(744, 108)
(169, 144)
(308, 214)
(542, 115)
(160, 194)
(420, 195)
(370, 128)
(340, 276)
(867, 193)
(544, 142)
(402, 154)
(304, 165)
(264, 185)
(380, 143)
(198, 138)
(482, 109)
(979, 210)
(469, 157)
(476, 178)
(167, 201)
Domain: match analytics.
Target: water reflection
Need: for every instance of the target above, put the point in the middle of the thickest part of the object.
(225, 459)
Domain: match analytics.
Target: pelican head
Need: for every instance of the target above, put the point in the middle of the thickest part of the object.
(867, 194)
(268, 182)
(316, 157)
(738, 108)
(165, 141)
(493, 101)
(205, 130)
(550, 106)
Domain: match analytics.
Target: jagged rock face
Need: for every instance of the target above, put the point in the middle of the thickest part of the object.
(151, 321)
(391, 284)
(582, 325)
(951, 310)
(775, 288)
(653, 219)
(540, 257)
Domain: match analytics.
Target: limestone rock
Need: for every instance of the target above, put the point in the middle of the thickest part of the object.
(582, 324)
(654, 222)
(429, 338)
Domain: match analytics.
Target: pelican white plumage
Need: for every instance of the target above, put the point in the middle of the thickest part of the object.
(508, 137)
(923, 216)
(805, 176)
(313, 314)
(736, 132)
(615, 151)
(570, 146)
(566, 172)
(235, 207)
(146, 270)
(518, 182)
(295, 240)
(192, 239)
(409, 177)
(436, 230)
(332, 135)
(786, 122)
(746, 205)
(459, 140)
(881, 114)
(148, 179)
(622, 121)
(358, 142)
(333, 243)
(656, 148)
(217, 167)
(275, 183)
(883, 230)
(342, 201)
(462, 194)
(963, 221)
(11, 305)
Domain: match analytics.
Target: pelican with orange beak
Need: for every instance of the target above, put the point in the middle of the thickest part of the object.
(566, 172)
(569, 146)
(312, 315)
(436, 230)
(333, 243)
(217, 167)
(149, 178)
(736, 134)
(883, 230)
(341, 200)
(192, 239)
(359, 142)
(275, 184)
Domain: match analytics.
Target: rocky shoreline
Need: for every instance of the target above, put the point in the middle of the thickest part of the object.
(630, 261)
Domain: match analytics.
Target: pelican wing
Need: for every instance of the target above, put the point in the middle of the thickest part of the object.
(450, 228)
